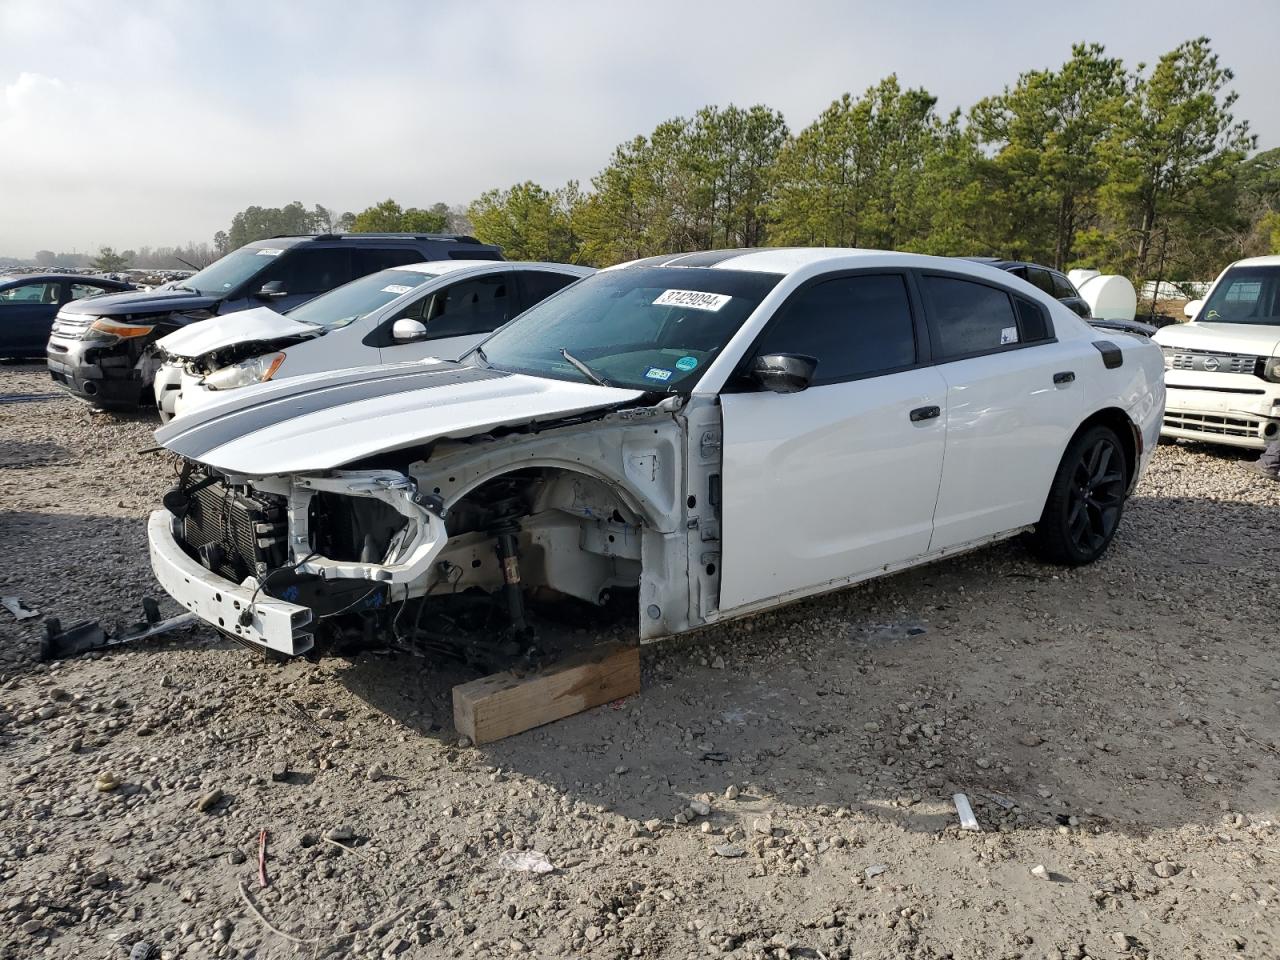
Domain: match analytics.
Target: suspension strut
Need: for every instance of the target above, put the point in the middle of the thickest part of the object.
(506, 533)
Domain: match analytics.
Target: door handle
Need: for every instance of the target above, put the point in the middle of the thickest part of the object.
(920, 414)
(1065, 377)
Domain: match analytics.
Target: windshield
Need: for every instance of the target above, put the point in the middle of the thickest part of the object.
(350, 302)
(226, 274)
(649, 328)
(1245, 295)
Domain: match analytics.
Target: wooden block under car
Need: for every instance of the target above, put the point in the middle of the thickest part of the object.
(503, 704)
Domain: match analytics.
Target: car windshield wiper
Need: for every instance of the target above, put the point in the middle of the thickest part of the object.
(484, 357)
(183, 286)
(584, 369)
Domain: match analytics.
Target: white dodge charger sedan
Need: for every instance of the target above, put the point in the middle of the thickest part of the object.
(697, 436)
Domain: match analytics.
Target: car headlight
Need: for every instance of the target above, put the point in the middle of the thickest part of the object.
(104, 329)
(1271, 370)
(254, 370)
(1168, 357)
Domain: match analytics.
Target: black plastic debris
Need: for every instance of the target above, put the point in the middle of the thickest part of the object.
(87, 635)
(19, 609)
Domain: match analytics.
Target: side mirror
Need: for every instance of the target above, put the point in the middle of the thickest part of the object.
(271, 290)
(1192, 308)
(783, 372)
(406, 330)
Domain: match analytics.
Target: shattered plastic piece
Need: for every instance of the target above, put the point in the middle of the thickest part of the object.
(19, 609)
(89, 635)
(874, 871)
(1004, 803)
(967, 820)
(524, 861)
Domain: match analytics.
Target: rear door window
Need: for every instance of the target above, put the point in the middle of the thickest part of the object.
(81, 290)
(1042, 279)
(968, 318)
(854, 326)
(1063, 288)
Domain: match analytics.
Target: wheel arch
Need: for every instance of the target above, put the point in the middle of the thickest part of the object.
(1123, 426)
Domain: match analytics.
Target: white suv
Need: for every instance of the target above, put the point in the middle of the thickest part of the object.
(1222, 369)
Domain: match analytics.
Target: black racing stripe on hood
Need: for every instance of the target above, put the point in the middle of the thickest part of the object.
(210, 434)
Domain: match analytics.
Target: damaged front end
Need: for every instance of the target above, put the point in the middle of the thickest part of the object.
(287, 554)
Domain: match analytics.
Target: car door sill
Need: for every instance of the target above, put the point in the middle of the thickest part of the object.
(842, 582)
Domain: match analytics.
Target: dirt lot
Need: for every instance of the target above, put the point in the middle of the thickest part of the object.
(1115, 727)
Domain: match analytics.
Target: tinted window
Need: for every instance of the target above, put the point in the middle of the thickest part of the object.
(309, 270)
(539, 284)
(31, 293)
(969, 317)
(1042, 279)
(366, 260)
(480, 305)
(1244, 295)
(1032, 322)
(1062, 288)
(853, 326)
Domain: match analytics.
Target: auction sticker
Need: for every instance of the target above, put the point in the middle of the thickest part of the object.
(692, 298)
(657, 373)
(686, 363)
(1009, 335)
(396, 288)
(269, 252)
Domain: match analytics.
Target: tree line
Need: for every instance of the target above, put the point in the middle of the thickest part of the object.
(1141, 171)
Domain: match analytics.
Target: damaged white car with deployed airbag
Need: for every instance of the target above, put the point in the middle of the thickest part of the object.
(685, 439)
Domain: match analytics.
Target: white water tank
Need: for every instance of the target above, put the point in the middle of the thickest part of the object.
(1080, 274)
(1110, 296)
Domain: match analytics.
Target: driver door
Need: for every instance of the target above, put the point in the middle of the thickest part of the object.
(841, 479)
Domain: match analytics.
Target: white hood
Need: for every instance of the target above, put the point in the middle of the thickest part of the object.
(1224, 337)
(247, 326)
(324, 421)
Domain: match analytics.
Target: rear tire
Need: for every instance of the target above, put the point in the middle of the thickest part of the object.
(1086, 499)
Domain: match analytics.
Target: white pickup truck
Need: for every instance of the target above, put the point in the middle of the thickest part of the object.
(1222, 370)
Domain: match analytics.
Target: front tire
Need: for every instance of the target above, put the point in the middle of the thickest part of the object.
(1086, 499)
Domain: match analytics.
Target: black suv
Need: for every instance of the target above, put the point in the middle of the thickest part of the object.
(98, 349)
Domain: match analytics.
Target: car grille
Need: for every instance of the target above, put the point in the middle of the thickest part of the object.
(235, 535)
(1214, 424)
(71, 326)
(1210, 361)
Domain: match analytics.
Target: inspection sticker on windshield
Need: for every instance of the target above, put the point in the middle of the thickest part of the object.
(396, 288)
(692, 298)
(1009, 335)
(269, 252)
(657, 373)
(686, 363)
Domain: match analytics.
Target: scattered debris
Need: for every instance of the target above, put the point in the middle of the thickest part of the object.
(262, 859)
(967, 820)
(1040, 872)
(730, 850)
(209, 800)
(107, 782)
(874, 871)
(19, 609)
(1003, 802)
(524, 861)
(141, 951)
(89, 635)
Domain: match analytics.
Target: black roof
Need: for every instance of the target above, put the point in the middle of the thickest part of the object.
(449, 237)
(1001, 263)
(6, 279)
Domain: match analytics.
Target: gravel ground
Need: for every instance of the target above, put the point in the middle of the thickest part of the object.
(781, 788)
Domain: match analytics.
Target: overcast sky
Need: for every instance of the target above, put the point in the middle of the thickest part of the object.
(151, 123)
